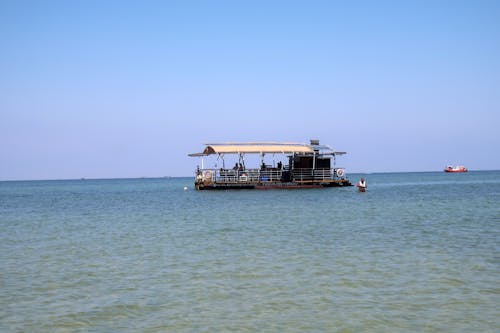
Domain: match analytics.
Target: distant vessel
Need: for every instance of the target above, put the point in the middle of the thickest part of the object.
(308, 165)
(458, 168)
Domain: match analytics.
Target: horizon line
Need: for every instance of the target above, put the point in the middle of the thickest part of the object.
(171, 177)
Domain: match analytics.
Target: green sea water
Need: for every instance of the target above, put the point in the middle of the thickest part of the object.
(418, 252)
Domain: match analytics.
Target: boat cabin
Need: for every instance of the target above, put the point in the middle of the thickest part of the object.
(294, 165)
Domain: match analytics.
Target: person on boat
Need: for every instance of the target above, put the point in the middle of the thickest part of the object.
(198, 173)
(362, 185)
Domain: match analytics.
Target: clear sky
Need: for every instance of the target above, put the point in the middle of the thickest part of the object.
(101, 89)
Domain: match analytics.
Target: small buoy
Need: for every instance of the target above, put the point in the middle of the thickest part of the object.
(185, 188)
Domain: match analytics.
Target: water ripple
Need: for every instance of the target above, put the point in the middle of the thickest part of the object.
(416, 253)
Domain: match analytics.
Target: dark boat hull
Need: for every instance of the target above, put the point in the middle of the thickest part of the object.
(271, 186)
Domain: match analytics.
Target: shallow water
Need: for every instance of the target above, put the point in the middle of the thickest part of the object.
(418, 252)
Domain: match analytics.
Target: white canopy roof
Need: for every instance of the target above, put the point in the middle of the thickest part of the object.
(254, 148)
(266, 148)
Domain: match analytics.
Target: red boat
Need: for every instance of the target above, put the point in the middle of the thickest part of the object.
(459, 168)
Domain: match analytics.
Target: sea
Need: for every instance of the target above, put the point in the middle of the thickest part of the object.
(417, 252)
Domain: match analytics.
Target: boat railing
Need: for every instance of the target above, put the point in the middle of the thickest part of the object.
(267, 175)
(240, 175)
(309, 174)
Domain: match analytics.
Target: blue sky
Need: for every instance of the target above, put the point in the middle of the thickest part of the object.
(101, 89)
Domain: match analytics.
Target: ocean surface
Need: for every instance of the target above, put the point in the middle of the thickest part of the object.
(418, 252)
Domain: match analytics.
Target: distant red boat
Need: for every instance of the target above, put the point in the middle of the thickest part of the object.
(459, 168)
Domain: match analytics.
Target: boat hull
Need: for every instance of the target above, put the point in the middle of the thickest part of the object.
(271, 186)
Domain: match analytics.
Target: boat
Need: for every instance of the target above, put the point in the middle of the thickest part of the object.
(298, 166)
(458, 168)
